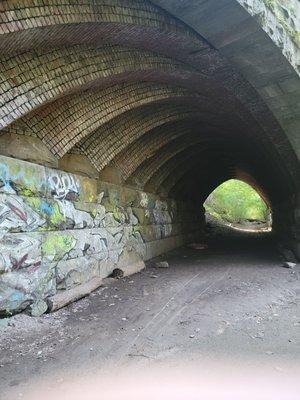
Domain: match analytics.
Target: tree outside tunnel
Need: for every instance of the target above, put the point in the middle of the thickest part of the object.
(236, 202)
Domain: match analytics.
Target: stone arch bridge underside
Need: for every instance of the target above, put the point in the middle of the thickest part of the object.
(166, 98)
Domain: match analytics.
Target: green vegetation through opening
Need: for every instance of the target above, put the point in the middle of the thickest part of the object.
(235, 201)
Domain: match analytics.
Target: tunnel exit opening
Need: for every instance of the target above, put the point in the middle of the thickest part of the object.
(237, 204)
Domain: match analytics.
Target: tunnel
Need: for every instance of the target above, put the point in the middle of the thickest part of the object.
(120, 117)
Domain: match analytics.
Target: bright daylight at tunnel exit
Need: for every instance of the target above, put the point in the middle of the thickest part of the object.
(149, 199)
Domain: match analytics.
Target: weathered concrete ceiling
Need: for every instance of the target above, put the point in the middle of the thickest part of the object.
(176, 98)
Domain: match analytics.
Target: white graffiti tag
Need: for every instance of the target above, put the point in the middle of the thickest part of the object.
(64, 186)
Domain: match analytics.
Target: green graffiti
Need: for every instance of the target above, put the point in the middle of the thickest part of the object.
(136, 229)
(50, 212)
(56, 218)
(26, 192)
(117, 215)
(58, 245)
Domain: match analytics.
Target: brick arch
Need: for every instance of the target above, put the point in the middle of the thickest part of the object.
(171, 168)
(62, 124)
(206, 163)
(32, 16)
(149, 168)
(148, 145)
(104, 144)
(143, 14)
(35, 78)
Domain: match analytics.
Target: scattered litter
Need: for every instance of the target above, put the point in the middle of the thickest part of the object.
(124, 319)
(192, 336)
(111, 304)
(288, 264)
(39, 354)
(198, 246)
(162, 264)
(153, 276)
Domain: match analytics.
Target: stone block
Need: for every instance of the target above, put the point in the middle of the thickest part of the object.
(20, 288)
(78, 164)
(70, 273)
(27, 148)
(111, 174)
(130, 262)
(21, 177)
(20, 251)
(16, 215)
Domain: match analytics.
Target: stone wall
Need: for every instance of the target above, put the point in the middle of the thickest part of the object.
(280, 20)
(58, 230)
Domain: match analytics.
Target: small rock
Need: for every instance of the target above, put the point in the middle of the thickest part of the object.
(198, 246)
(162, 264)
(117, 273)
(38, 308)
(192, 336)
(4, 322)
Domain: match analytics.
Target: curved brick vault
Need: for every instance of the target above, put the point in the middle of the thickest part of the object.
(168, 96)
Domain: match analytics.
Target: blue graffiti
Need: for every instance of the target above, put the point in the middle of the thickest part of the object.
(46, 208)
(5, 178)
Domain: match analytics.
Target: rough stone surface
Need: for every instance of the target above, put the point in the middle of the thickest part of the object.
(170, 101)
(38, 308)
(57, 233)
(78, 164)
(26, 148)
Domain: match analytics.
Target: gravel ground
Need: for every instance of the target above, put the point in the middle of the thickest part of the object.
(230, 307)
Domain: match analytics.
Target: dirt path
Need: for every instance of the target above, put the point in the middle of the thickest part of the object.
(232, 304)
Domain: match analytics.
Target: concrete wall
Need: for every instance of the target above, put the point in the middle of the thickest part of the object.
(58, 230)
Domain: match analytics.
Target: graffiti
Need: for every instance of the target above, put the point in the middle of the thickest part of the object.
(56, 245)
(19, 251)
(63, 186)
(143, 199)
(17, 264)
(16, 215)
(55, 232)
(5, 182)
(22, 215)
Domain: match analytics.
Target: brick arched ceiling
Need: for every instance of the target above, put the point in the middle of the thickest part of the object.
(154, 93)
